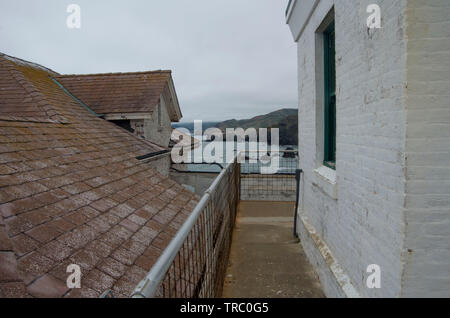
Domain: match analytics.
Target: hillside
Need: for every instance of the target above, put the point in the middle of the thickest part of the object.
(284, 119)
(288, 130)
(262, 121)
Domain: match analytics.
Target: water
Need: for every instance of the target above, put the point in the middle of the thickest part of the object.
(286, 165)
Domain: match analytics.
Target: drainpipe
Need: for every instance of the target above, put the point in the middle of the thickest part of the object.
(298, 175)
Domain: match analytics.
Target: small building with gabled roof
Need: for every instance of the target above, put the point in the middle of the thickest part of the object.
(144, 103)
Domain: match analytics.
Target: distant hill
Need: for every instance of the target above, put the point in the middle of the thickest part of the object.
(190, 126)
(284, 119)
(288, 130)
(262, 121)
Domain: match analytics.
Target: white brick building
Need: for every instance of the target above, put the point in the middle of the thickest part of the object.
(376, 181)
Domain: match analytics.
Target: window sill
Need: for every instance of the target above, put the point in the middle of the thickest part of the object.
(326, 179)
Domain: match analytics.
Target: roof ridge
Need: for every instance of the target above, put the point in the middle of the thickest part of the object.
(32, 91)
(115, 73)
(33, 64)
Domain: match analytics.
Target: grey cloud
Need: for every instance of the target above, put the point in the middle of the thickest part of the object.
(230, 59)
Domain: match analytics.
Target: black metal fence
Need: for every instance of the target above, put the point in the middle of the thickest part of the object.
(269, 176)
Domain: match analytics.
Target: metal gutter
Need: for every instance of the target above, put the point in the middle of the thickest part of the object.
(152, 154)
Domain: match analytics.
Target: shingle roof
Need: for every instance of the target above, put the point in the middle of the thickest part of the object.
(19, 100)
(73, 192)
(118, 92)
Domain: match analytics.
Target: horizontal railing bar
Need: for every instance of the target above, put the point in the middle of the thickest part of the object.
(269, 151)
(149, 285)
(246, 174)
(272, 151)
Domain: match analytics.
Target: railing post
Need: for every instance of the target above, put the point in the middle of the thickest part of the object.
(298, 175)
(238, 182)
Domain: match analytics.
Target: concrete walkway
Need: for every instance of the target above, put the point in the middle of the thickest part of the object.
(265, 260)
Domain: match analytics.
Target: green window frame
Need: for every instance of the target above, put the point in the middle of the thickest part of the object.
(330, 97)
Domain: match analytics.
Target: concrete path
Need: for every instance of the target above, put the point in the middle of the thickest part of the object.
(265, 260)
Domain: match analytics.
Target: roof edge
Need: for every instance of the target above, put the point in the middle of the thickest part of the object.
(28, 63)
(175, 102)
(114, 73)
(15, 67)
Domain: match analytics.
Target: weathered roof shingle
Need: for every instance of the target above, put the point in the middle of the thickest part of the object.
(118, 92)
(73, 192)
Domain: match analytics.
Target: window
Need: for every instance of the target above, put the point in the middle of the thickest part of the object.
(330, 97)
(125, 124)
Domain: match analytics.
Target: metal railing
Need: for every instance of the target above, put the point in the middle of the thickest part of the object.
(271, 177)
(195, 262)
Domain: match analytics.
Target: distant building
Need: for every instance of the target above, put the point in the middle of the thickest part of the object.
(374, 144)
(144, 103)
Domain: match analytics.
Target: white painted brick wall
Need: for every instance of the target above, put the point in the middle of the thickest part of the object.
(366, 224)
(427, 244)
(393, 147)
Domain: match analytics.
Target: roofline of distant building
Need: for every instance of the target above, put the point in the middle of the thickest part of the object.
(33, 64)
(117, 73)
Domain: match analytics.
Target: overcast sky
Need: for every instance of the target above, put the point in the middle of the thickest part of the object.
(230, 58)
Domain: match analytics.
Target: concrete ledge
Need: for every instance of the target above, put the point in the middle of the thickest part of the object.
(325, 179)
(335, 282)
(265, 220)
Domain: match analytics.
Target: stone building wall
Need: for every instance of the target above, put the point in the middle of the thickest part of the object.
(158, 129)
